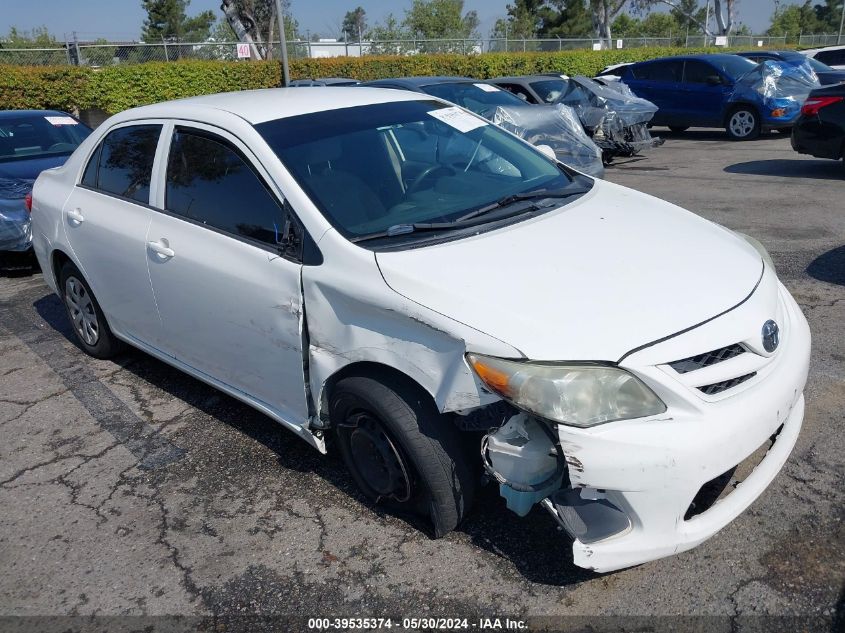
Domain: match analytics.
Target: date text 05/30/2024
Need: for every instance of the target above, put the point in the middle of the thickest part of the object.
(413, 624)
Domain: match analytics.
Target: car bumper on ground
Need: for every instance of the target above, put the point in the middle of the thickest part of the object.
(656, 473)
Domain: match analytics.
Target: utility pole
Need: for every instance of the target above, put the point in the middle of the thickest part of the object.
(285, 71)
(841, 23)
(707, 24)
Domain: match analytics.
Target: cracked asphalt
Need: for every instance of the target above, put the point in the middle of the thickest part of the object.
(130, 489)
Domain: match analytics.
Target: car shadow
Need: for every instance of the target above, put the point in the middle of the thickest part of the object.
(533, 544)
(790, 168)
(829, 267)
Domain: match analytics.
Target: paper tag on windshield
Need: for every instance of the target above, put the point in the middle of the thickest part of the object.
(458, 119)
(61, 120)
(487, 87)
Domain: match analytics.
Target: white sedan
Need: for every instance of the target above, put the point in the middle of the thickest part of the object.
(442, 298)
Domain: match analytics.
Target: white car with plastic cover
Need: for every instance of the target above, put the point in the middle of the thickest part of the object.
(397, 272)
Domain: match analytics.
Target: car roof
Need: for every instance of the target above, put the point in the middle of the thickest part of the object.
(526, 78)
(679, 58)
(258, 106)
(792, 54)
(8, 114)
(419, 82)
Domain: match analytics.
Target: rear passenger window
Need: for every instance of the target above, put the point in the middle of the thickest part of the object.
(831, 58)
(659, 71)
(697, 72)
(126, 162)
(208, 181)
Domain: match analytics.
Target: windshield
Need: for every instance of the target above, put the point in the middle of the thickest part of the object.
(372, 168)
(549, 89)
(31, 136)
(733, 66)
(479, 97)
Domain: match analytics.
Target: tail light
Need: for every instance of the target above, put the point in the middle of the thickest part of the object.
(812, 105)
(27, 200)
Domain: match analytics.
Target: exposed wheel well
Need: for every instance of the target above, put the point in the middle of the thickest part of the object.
(368, 369)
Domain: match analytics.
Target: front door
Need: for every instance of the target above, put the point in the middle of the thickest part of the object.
(230, 300)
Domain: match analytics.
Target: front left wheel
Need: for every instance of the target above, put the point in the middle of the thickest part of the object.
(743, 123)
(401, 452)
(90, 326)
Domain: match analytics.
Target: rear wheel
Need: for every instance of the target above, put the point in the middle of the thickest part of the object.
(743, 123)
(401, 452)
(85, 315)
(677, 129)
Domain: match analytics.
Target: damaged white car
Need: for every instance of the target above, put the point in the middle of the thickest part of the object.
(442, 299)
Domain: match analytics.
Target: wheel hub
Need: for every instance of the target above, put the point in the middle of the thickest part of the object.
(377, 459)
(742, 123)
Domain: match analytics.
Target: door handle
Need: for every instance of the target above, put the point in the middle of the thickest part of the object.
(75, 215)
(161, 248)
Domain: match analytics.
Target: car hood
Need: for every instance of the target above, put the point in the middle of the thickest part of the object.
(591, 280)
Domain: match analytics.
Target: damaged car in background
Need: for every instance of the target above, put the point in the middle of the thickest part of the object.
(393, 272)
(30, 142)
(614, 117)
(557, 129)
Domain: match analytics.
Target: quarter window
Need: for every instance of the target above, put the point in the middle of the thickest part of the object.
(659, 71)
(210, 182)
(125, 162)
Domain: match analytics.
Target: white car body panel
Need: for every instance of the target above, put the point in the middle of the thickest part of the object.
(568, 284)
(614, 276)
(812, 52)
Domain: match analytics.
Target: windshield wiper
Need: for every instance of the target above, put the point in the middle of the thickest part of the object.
(536, 194)
(465, 220)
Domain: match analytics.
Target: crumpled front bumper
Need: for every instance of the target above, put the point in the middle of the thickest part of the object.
(652, 469)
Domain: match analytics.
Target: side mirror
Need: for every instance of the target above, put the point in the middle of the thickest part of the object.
(713, 80)
(548, 151)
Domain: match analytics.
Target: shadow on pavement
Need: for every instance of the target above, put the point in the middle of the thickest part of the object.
(540, 552)
(784, 167)
(829, 266)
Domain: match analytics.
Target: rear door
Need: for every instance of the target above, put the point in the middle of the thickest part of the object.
(224, 257)
(702, 98)
(106, 219)
(660, 83)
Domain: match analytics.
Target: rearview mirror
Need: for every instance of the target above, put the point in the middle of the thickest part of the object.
(548, 151)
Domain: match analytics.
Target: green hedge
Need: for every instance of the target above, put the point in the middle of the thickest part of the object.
(115, 88)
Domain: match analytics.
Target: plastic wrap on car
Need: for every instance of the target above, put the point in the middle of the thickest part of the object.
(15, 226)
(777, 85)
(556, 126)
(616, 117)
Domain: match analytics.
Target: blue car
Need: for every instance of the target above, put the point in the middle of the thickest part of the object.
(30, 142)
(827, 75)
(721, 91)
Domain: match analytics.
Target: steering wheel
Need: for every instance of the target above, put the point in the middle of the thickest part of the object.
(426, 173)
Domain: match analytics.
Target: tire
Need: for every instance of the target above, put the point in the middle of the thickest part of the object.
(677, 129)
(400, 451)
(743, 123)
(87, 319)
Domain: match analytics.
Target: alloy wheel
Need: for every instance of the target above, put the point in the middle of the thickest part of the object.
(742, 123)
(81, 310)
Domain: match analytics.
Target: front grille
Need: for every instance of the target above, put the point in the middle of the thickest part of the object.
(706, 359)
(719, 387)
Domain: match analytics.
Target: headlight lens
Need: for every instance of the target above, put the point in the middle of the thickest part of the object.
(578, 395)
(759, 248)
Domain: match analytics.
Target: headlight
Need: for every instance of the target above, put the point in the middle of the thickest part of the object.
(579, 395)
(759, 248)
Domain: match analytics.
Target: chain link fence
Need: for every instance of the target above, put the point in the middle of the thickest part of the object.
(99, 54)
(820, 40)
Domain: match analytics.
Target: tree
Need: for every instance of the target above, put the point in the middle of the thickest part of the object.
(604, 11)
(795, 19)
(167, 20)
(255, 23)
(389, 38)
(829, 14)
(440, 19)
(354, 24)
(523, 20)
(724, 17)
(565, 18)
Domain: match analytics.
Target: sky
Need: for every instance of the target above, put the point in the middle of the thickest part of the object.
(122, 19)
